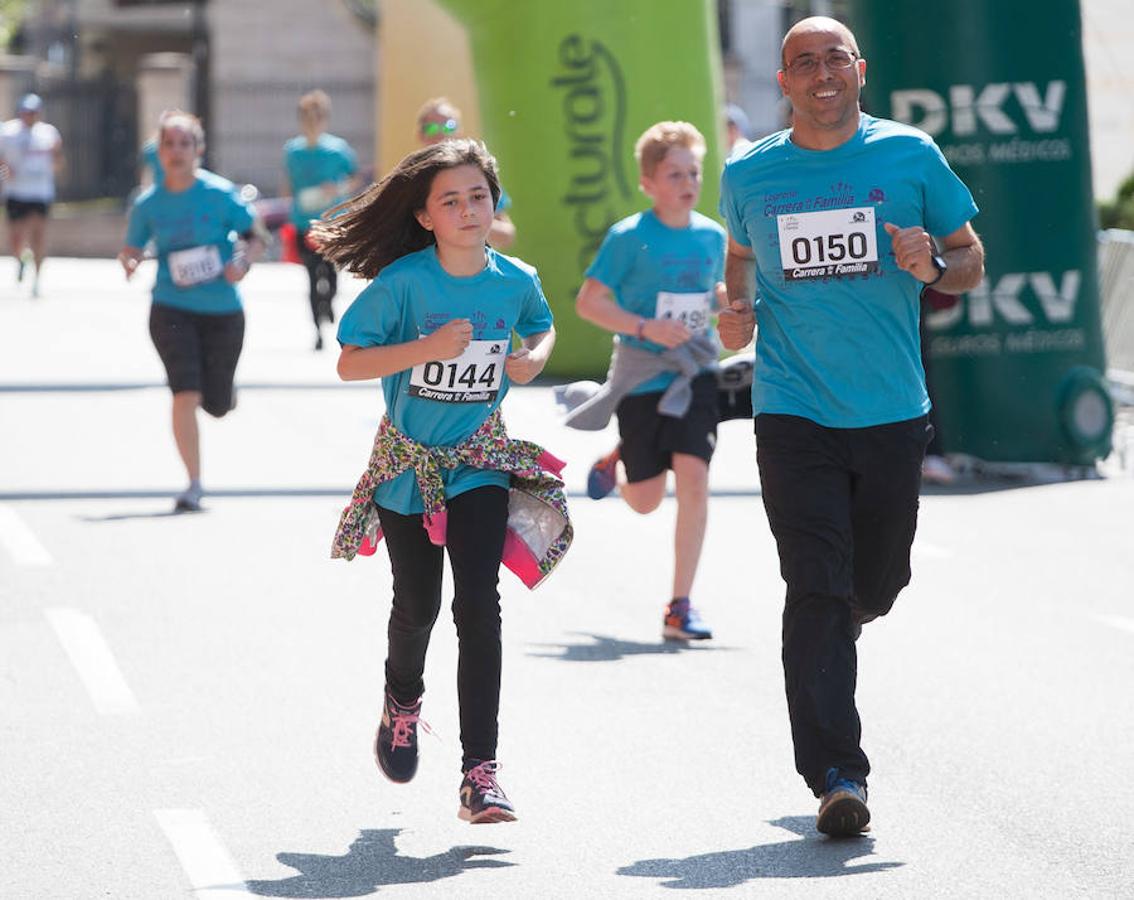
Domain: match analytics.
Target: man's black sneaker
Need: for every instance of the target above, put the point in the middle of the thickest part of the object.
(482, 799)
(842, 808)
(395, 744)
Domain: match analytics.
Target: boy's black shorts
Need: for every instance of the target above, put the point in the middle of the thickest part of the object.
(199, 353)
(650, 439)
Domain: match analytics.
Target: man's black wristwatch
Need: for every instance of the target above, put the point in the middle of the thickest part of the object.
(942, 268)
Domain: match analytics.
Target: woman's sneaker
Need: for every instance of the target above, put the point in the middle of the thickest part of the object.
(482, 799)
(683, 623)
(842, 808)
(395, 744)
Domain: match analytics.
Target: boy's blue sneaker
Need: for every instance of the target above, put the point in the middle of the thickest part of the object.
(603, 477)
(683, 623)
(842, 808)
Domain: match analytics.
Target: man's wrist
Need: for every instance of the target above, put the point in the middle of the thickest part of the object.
(640, 331)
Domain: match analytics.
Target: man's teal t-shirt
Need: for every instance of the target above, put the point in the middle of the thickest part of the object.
(415, 296)
(641, 257)
(837, 319)
(204, 219)
(329, 159)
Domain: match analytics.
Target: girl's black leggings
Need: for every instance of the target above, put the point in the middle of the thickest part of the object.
(475, 542)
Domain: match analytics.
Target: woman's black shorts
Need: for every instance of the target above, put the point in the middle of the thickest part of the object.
(199, 353)
(650, 439)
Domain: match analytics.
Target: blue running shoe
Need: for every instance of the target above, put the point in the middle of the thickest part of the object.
(842, 808)
(683, 623)
(603, 477)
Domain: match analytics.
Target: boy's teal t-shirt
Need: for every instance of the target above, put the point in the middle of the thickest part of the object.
(837, 319)
(641, 257)
(196, 231)
(415, 296)
(330, 159)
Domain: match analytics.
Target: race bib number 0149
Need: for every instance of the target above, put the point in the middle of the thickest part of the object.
(691, 310)
(473, 377)
(834, 243)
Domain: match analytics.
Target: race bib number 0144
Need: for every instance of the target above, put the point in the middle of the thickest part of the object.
(834, 243)
(473, 377)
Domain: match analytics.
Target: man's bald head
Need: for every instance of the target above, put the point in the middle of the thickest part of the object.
(818, 25)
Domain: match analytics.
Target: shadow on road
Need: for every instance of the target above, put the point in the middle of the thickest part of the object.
(602, 648)
(813, 857)
(371, 862)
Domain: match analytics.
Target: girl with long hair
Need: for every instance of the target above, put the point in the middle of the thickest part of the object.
(436, 326)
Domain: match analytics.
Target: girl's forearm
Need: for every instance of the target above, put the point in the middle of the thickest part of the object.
(361, 363)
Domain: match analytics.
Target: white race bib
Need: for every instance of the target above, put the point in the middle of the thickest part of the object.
(834, 243)
(692, 310)
(473, 377)
(313, 199)
(195, 265)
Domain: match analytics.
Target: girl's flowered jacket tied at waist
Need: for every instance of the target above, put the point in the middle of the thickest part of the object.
(539, 528)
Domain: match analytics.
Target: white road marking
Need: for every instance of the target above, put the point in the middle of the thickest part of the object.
(92, 659)
(1119, 622)
(20, 541)
(211, 869)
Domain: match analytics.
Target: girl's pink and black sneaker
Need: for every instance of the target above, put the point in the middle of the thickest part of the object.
(482, 799)
(395, 744)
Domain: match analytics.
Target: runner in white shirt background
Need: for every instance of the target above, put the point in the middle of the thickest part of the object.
(31, 154)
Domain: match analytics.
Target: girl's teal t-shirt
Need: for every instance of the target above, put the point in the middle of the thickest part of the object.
(415, 296)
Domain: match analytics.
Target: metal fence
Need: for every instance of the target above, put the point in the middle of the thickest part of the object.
(1116, 289)
(97, 120)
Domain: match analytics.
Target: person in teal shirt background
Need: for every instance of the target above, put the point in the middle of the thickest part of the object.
(655, 283)
(205, 238)
(321, 170)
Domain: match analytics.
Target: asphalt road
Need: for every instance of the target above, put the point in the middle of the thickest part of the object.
(188, 701)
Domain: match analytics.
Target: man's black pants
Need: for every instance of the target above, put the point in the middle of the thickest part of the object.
(842, 504)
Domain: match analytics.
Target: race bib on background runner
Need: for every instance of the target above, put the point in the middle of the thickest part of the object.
(313, 199)
(834, 243)
(195, 265)
(692, 310)
(473, 377)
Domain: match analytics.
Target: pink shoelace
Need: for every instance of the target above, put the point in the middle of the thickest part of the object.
(484, 777)
(402, 720)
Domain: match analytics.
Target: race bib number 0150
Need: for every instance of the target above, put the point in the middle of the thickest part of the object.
(691, 310)
(834, 243)
(473, 377)
(195, 265)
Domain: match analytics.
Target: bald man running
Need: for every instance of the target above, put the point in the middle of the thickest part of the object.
(839, 214)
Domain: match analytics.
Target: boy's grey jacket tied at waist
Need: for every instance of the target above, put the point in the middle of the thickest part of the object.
(590, 405)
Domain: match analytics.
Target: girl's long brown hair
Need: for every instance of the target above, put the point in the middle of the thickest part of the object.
(367, 233)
